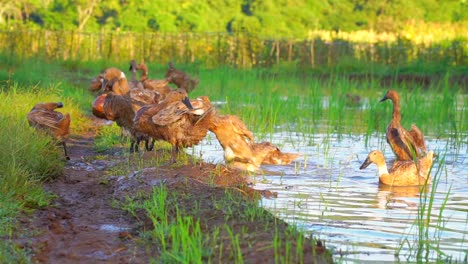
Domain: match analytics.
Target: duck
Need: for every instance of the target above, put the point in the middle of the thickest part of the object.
(402, 173)
(176, 121)
(98, 106)
(43, 117)
(134, 83)
(119, 103)
(159, 86)
(181, 79)
(405, 144)
(272, 155)
(240, 149)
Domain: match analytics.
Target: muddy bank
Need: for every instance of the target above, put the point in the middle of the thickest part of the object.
(86, 222)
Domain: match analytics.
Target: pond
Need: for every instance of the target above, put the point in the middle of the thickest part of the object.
(326, 194)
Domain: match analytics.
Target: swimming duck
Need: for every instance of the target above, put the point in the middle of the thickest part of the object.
(402, 173)
(176, 121)
(43, 117)
(240, 150)
(272, 154)
(403, 143)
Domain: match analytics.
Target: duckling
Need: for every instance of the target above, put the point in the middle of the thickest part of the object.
(240, 150)
(403, 143)
(43, 117)
(176, 121)
(402, 173)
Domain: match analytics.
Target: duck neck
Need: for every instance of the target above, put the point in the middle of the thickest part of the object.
(144, 73)
(123, 84)
(382, 169)
(396, 116)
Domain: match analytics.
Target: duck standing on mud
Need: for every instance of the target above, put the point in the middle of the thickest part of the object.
(176, 121)
(402, 173)
(405, 144)
(43, 117)
(120, 104)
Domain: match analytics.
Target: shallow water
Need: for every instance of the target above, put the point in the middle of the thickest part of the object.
(326, 194)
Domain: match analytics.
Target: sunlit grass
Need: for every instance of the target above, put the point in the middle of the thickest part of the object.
(266, 100)
(177, 227)
(28, 158)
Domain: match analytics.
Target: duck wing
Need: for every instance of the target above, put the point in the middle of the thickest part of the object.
(44, 119)
(240, 128)
(425, 164)
(418, 138)
(402, 143)
(141, 97)
(170, 114)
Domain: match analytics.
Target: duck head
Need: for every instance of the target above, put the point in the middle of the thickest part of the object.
(374, 157)
(392, 95)
(133, 66)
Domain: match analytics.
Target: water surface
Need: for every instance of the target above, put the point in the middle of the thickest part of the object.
(326, 194)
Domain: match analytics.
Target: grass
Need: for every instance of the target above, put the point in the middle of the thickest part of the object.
(267, 100)
(182, 236)
(28, 159)
(429, 225)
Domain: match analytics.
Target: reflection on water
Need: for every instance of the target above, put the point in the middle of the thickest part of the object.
(325, 193)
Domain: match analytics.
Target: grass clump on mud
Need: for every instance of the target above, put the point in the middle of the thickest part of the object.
(193, 222)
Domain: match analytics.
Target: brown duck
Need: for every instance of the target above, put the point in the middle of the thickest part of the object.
(159, 86)
(405, 144)
(176, 121)
(119, 104)
(402, 173)
(240, 150)
(43, 117)
(181, 79)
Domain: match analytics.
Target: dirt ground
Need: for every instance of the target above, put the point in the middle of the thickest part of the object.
(84, 224)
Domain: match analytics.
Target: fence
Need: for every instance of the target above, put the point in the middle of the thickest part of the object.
(214, 49)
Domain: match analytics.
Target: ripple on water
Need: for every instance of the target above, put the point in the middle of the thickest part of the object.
(326, 194)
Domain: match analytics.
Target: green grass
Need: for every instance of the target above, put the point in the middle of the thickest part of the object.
(28, 158)
(267, 100)
(177, 227)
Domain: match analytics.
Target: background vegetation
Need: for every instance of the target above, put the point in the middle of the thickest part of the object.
(272, 18)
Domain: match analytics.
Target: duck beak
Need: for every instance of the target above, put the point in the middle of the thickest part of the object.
(366, 163)
(59, 105)
(186, 102)
(384, 98)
